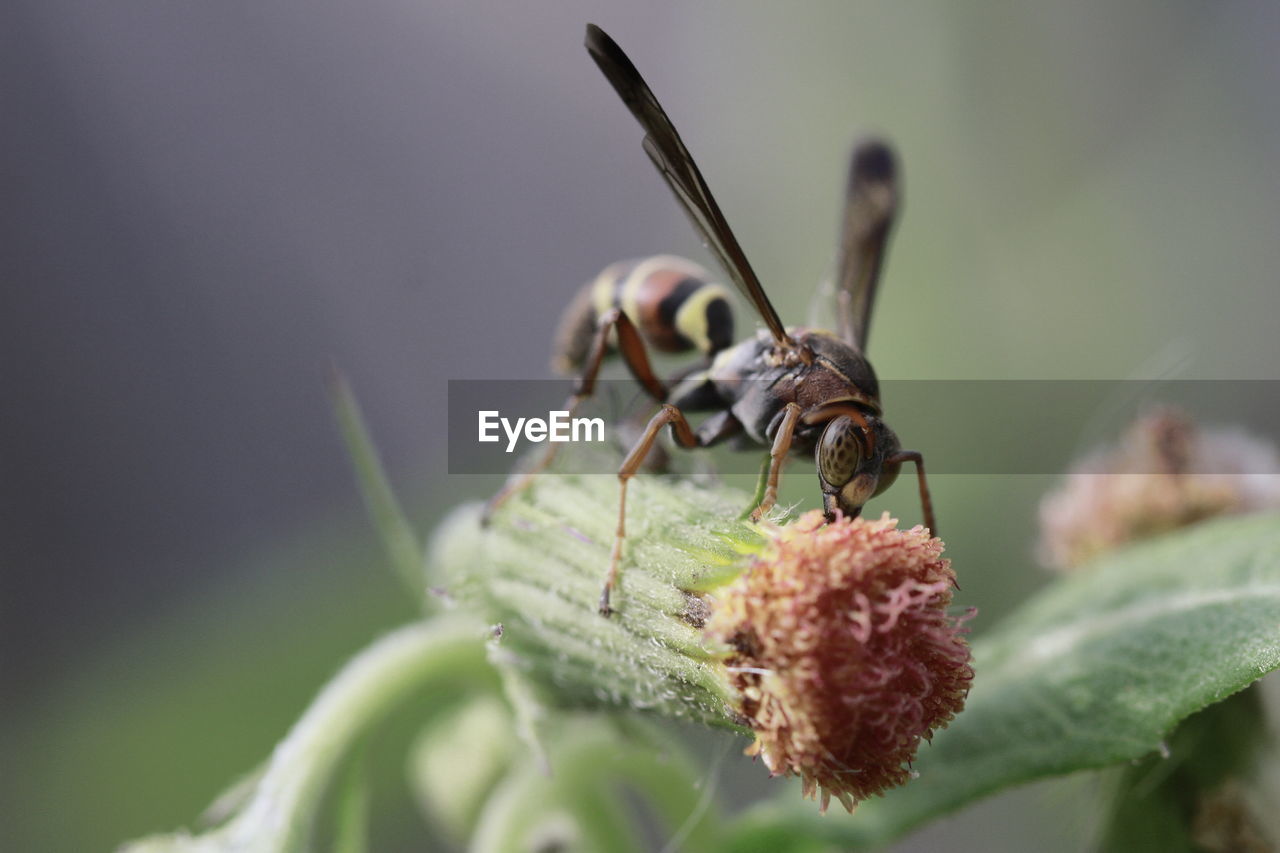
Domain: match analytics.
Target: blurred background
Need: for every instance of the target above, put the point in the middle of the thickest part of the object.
(205, 206)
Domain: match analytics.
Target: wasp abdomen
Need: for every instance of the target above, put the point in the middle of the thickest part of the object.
(672, 301)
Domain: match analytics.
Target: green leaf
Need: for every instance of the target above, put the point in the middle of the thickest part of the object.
(1158, 801)
(580, 803)
(398, 538)
(1098, 669)
(351, 831)
(458, 758)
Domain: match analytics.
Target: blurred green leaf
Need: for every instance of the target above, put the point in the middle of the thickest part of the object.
(1156, 801)
(1096, 670)
(351, 831)
(459, 758)
(236, 796)
(401, 543)
(579, 804)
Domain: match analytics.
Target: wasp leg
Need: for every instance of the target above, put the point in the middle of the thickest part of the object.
(777, 456)
(631, 346)
(926, 502)
(685, 437)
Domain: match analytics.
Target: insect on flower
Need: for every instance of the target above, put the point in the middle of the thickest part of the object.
(793, 390)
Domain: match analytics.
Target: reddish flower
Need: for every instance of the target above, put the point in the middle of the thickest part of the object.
(1166, 473)
(842, 652)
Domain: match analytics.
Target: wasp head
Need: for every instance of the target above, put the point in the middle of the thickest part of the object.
(852, 467)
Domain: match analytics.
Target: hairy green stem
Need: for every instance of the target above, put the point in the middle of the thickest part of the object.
(279, 814)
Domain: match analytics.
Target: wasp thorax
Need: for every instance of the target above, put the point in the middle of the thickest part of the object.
(840, 450)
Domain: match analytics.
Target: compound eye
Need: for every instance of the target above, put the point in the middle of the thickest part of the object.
(839, 451)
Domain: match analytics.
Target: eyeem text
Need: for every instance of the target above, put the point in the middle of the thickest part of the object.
(558, 426)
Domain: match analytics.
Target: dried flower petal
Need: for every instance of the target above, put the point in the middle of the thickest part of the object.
(843, 654)
(1165, 474)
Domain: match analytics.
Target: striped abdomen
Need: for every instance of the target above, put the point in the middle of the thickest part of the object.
(672, 301)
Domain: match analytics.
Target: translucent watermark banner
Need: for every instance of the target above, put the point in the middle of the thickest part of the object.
(960, 426)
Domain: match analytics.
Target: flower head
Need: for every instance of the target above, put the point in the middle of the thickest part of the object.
(843, 654)
(1165, 473)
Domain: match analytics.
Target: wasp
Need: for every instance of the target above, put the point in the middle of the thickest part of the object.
(793, 390)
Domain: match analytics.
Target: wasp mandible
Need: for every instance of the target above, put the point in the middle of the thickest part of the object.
(793, 390)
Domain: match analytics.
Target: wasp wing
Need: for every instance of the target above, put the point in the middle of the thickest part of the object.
(871, 202)
(674, 162)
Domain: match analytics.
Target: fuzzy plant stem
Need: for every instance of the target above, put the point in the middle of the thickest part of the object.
(279, 814)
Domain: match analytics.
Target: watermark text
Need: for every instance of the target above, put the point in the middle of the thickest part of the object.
(557, 427)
